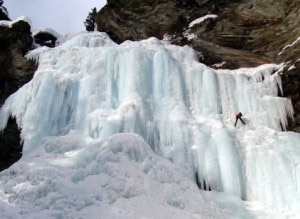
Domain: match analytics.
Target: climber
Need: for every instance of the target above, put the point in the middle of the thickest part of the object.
(238, 116)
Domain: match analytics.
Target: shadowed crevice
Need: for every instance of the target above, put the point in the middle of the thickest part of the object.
(10, 145)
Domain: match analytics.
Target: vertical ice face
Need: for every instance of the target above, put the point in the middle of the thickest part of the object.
(184, 110)
(254, 92)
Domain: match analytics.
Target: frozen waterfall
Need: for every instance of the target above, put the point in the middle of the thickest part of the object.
(90, 89)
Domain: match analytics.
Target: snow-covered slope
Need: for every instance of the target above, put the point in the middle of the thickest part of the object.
(180, 114)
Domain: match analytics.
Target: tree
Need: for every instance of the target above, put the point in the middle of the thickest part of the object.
(90, 20)
(3, 12)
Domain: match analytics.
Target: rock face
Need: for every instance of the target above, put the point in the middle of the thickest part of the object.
(10, 145)
(45, 39)
(15, 71)
(244, 33)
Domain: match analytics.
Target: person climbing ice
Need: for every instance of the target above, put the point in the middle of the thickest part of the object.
(238, 116)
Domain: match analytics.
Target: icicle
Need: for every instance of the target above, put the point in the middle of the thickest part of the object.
(36, 54)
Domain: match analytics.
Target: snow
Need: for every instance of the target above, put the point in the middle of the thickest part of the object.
(219, 65)
(292, 67)
(47, 30)
(11, 23)
(189, 36)
(129, 130)
(290, 45)
(4, 23)
(63, 38)
(201, 19)
(187, 33)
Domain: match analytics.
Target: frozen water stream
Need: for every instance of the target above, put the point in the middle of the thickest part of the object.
(89, 90)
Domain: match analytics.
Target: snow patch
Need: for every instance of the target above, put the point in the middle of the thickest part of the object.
(11, 23)
(289, 46)
(47, 30)
(201, 19)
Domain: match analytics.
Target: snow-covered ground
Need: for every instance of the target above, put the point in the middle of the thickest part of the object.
(133, 131)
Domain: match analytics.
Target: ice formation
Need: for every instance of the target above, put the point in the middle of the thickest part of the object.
(180, 114)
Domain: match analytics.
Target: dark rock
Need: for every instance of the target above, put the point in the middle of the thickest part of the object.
(136, 20)
(15, 71)
(10, 145)
(291, 89)
(230, 58)
(45, 38)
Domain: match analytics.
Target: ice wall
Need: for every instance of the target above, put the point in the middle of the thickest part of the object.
(183, 109)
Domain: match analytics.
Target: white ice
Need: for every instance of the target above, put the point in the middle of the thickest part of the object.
(177, 118)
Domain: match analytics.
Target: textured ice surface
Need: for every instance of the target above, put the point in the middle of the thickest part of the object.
(89, 89)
